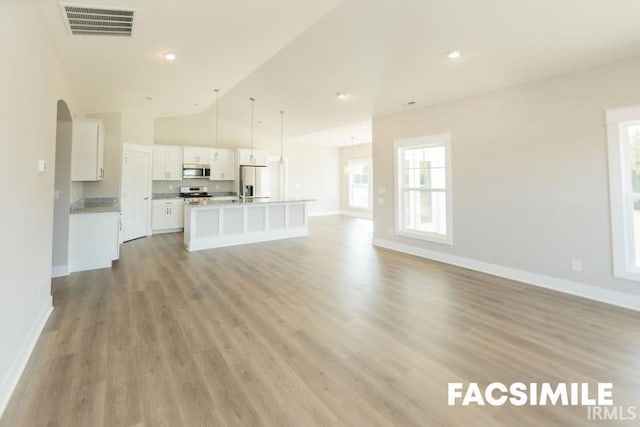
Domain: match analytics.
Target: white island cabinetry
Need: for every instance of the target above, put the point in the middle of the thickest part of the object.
(218, 224)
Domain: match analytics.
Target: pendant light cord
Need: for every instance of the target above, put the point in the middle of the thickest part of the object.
(281, 136)
(252, 101)
(217, 91)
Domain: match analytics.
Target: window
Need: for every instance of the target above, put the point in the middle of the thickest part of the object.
(423, 188)
(623, 135)
(359, 184)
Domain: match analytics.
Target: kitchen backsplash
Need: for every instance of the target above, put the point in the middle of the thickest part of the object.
(174, 186)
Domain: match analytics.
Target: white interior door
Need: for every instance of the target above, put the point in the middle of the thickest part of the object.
(136, 192)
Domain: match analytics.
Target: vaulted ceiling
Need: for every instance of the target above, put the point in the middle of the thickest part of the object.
(295, 55)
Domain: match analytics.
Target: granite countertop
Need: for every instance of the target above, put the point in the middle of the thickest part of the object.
(95, 205)
(239, 202)
(224, 194)
(168, 196)
(165, 196)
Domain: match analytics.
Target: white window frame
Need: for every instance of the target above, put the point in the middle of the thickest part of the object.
(369, 182)
(622, 241)
(439, 140)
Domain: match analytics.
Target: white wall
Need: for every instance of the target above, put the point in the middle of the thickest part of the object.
(137, 128)
(31, 82)
(530, 187)
(314, 172)
(347, 153)
(213, 186)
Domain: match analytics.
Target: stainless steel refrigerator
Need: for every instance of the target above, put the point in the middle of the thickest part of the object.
(254, 182)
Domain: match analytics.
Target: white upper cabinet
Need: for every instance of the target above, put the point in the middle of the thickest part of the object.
(223, 164)
(259, 157)
(87, 150)
(167, 163)
(196, 155)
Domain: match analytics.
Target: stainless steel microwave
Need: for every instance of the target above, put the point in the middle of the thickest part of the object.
(193, 171)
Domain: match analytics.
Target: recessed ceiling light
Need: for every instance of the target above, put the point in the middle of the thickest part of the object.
(170, 56)
(411, 103)
(151, 98)
(454, 54)
(341, 95)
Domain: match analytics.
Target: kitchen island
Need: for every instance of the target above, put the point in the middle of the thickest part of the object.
(214, 224)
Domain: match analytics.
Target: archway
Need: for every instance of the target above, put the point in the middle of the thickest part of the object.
(62, 192)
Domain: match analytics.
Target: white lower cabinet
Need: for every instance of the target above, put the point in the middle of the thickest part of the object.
(167, 216)
(93, 240)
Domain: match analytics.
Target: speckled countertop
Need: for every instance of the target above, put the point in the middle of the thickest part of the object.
(168, 196)
(95, 205)
(259, 201)
(165, 196)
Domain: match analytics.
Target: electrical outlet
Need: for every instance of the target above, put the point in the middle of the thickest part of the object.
(576, 265)
(170, 186)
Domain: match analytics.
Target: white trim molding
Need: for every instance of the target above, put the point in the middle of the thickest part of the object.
(438, 140)
(606, 296)
(363, 214)
(12, 376)
(59, 271)
(325, 213)
(621, 195)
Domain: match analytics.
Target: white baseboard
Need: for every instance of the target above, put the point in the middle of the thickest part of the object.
(607, 296)
(347, 213)
(325, 213)
(12, 376)
(59, 271)
(363, 215)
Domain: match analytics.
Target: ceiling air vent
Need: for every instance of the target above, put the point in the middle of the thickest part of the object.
(86, 20)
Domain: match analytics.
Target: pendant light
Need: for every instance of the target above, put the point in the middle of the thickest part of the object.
(217, 91)
(252, 159)
(281, 136)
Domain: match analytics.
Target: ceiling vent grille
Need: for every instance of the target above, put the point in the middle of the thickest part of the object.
(84, 20)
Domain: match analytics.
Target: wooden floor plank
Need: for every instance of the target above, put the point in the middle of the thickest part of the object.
(318, 331)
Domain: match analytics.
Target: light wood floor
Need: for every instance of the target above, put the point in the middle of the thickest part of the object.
(324, 330)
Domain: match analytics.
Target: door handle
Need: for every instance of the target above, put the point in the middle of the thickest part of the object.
(146, 198)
